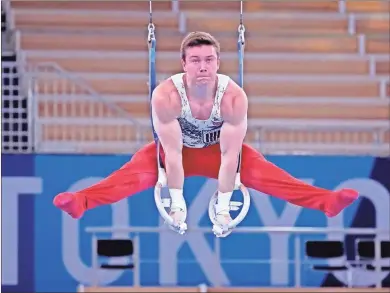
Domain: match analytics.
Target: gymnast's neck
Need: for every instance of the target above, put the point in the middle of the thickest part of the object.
(201, 92)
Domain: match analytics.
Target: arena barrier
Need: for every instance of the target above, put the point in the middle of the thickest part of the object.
(297, 232)
(233, 289)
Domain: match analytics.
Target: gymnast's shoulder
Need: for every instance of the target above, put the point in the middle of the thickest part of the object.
(235, 101)
(166, 98)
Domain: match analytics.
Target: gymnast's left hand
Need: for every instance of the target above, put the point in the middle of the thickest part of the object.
(178, 206)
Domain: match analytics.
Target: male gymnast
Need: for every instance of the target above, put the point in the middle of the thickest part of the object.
(200, 118)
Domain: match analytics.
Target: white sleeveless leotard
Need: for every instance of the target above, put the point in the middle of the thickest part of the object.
(200, 133)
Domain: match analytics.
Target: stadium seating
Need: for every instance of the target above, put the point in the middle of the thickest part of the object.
(305, 61)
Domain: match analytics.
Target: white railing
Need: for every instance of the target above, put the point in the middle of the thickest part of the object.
(342, 6)
(351, 24)
(56, 95)
(297, 232)
(321, 130)
(175, 6)
(362, 44)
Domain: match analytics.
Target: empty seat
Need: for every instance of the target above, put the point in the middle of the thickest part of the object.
(92, 109)
(291, 65)
(105, 86)
(91, 20)
(209, 5)
(301, 44)
(319, 136)
(326, 250)
(110, 42)
(368, 6)
(121, 137)
(332, 251)
(378, 44)
(316, 111)
(100, 42)
(268, 24)
(292, 6)
(103, 63)
(266, 87)
(169, 65)
(141, 109)
(373, 24)
(263, 6)
(90, 133)
(114, 249)
(367, 253)
(383, 67)
(92, 5)
(314, 88)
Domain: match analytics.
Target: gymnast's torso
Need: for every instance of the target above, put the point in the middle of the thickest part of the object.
(199, 133)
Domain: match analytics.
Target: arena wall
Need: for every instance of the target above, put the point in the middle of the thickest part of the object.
(49, 251)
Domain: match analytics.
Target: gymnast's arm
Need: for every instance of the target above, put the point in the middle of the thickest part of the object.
(233, 131)
(170, 136)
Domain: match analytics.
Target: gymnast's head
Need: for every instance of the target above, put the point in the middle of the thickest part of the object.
(200, 57)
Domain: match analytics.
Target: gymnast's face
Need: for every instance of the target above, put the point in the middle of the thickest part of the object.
(201, 64)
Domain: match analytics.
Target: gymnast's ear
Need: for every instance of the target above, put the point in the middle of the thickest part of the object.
(183, 64)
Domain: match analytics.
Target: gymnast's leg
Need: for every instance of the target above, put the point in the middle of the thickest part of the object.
(139, 174)
(264, 176)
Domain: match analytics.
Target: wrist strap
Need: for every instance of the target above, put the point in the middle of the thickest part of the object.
(223, 202)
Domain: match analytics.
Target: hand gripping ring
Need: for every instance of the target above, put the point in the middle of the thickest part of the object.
(161, 204)
(223, 231)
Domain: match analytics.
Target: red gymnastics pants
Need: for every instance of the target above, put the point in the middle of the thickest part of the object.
(140, 173)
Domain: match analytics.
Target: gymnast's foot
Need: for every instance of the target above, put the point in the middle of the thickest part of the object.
(70, 204)
(340, 200)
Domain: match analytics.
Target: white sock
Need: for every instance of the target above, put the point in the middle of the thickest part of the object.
(223, 202)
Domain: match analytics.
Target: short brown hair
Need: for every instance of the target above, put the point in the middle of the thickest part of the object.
(195, 39)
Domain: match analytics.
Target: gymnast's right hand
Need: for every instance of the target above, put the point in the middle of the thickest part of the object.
(165, 110)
